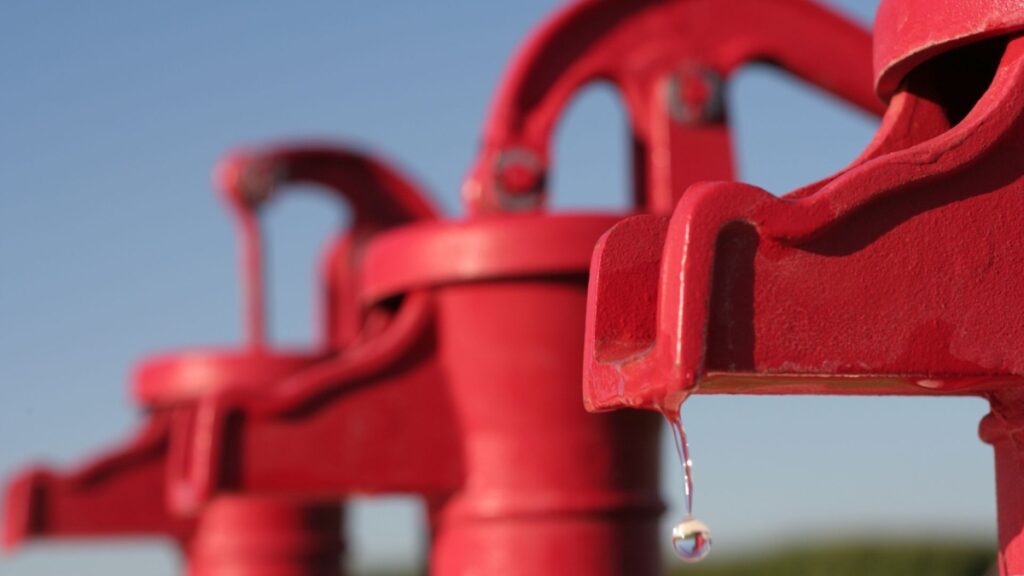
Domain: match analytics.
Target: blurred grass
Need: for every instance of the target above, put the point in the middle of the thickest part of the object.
(903, 559)
(846, 559)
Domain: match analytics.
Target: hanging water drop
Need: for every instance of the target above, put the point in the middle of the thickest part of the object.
(691, 538)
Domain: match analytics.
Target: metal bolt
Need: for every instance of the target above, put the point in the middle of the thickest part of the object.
(518, 179)
(695, 95)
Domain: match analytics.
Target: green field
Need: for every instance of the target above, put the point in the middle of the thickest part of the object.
(902, 559)
(930, 559)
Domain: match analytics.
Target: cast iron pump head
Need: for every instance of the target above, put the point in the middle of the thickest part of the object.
(899, 275)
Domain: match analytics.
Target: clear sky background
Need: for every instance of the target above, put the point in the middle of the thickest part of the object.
(113, 245)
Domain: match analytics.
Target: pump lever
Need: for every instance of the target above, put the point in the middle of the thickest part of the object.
(379, 196)
(669, 60)
(117, 494)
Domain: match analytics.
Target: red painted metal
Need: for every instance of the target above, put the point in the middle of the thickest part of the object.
(668, 60)
(910, 32)
(266, 537)
(379, 197)
(466, 390)
(119, 494)
(899, 275)
(545, 488)
(127, 492)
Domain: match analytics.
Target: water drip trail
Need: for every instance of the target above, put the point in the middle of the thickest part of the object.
(683, 451)
(691, 538)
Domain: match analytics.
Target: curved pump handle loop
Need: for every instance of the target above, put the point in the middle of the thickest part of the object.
(379, 196)
(668, 59)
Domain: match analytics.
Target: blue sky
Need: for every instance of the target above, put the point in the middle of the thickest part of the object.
(113, 245)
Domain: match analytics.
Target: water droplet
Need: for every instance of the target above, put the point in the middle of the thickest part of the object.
(691, 539)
